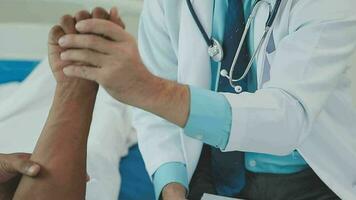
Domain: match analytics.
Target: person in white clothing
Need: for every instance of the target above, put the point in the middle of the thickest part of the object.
(281, 107)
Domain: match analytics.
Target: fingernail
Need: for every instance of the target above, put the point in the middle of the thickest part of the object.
(33, 170)
(66, 71)
(61, 41)
(62, 55)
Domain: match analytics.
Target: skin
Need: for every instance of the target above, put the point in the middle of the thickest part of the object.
(120, 70)
(113, 61)
(174, 191)
(11, 167)
(61, 148)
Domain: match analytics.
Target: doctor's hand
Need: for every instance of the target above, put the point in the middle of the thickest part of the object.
(12, 166)
(174, 191)
(67, 26)
(112, 59)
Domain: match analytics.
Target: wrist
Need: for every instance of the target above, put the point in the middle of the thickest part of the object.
(162, 97)
(77, 89)
(145, 91)
(174, 191)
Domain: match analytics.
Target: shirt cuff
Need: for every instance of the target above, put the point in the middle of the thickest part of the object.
(210, 117)
(173, 172)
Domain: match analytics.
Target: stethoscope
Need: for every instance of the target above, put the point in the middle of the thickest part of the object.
(216, 51)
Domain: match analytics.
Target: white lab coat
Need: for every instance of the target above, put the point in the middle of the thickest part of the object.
(303, 101)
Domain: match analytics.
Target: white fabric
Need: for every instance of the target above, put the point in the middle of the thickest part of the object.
(303, 101)
(24, 108)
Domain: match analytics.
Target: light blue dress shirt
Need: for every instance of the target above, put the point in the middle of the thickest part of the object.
(174, 172)
(211, 117)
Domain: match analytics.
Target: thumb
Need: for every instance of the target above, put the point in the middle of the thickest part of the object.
(20, 163)
(11, 165)
(55, 33)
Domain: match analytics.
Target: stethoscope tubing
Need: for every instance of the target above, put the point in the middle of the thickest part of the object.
(268, 27)
(238, 51)
(210, 41)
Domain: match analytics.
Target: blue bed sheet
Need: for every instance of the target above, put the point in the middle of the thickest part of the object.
(136, 184)
(16, 70)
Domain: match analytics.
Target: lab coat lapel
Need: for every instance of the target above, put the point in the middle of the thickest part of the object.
(266, 57)
(193, 58)
(257, 31)
(194, 64)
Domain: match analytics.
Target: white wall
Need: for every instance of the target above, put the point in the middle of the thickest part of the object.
(24, 24)
(44, 11)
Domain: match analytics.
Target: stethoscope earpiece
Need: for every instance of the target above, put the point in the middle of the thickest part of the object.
(238, 89)
(224, 73)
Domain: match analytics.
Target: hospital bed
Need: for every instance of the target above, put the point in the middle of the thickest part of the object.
(24, 27)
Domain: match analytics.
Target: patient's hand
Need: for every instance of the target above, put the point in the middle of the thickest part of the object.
(67, 26)
(11, 168)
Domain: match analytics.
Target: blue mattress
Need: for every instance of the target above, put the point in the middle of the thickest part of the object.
(136, 184)
(16, 70)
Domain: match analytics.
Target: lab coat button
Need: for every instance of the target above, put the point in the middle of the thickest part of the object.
(253, 163)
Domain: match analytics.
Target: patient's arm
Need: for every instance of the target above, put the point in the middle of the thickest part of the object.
(61, 149)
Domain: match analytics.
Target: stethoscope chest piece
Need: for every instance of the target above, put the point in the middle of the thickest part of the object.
(216, 51)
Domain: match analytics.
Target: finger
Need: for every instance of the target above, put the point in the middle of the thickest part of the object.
(100, 13)
(20, 163)
(67, 23)
(115, 17)
(54, 35)
(88, 178)
(85, 41)
(84, 55)
(102, 27)
(83, 72)
(82, 15)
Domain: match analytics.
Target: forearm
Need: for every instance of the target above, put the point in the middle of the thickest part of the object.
(167, 99)
(61, 148)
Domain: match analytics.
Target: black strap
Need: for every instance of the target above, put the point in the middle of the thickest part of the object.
(208, 41)
(274, 13)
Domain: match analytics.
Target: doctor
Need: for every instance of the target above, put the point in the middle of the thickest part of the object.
(270, 135)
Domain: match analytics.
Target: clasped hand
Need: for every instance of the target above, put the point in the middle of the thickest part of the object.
(97, 49)
(102, 51)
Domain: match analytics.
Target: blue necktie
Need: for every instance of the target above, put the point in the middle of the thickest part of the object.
(228, 168)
